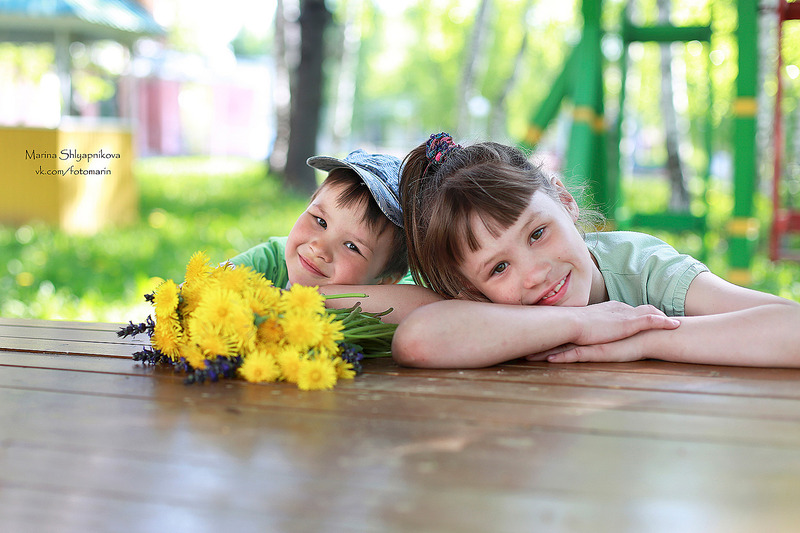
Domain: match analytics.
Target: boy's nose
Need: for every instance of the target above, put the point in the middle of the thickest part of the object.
(321, 249)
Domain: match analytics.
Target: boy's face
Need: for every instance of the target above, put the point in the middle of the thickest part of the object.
(330, 245)
(540, 260)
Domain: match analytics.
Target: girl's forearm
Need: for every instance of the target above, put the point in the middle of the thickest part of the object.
(767, 335)
(466, 334)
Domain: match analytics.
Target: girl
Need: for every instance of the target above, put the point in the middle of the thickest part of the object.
(491, 233)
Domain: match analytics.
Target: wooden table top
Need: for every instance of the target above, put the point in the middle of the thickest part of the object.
(94, 442)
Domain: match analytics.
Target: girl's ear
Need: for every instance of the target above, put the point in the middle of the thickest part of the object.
(566, 199)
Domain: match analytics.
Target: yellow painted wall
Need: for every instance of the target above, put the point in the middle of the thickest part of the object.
(61, 190)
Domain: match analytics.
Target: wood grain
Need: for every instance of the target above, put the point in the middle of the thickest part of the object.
(92, 441)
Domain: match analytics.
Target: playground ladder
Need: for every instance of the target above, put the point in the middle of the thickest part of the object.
(660, 33)
(785, 219)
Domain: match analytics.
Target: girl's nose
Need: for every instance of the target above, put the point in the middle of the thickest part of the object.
(535, 274)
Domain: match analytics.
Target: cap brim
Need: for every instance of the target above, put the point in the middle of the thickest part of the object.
(377, 188)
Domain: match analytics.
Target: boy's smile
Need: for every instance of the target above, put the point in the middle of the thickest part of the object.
(331, 244)
(541, 259)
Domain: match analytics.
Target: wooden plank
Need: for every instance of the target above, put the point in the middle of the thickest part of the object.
(555, 394)
(95, 347)
(423, 496)
(85, 389)
(725, 380)
(59, 324)
(69, 334)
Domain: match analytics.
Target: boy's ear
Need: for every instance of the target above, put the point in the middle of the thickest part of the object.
(567, 200)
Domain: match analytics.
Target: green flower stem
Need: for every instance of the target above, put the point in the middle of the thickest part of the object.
(366, 330)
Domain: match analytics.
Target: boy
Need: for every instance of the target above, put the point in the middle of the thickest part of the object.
(351, 233)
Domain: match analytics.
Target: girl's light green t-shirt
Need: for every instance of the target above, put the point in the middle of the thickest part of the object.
(641, 269)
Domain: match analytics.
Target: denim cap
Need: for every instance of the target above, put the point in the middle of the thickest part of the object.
(380, 173)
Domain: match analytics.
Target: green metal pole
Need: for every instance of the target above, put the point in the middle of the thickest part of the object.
(549, 108)
(581, 158)
(743, 227)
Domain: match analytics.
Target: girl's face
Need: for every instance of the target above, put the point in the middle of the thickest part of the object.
(541, 260)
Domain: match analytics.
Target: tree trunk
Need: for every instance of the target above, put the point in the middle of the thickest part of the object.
(344, 94)
(497, 117)
(679, 198)
(467, 90)
(307, 96)
(282, 93)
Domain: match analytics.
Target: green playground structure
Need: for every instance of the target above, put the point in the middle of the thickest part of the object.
(593, 152)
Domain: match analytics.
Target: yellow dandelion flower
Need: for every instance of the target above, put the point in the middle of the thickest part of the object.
(193, 355)
(316, 374)
(263, 298)
(166, 299)
(331, 332)
(167, 337)
(244, 332)
(219, 306)
(198, 268)
(190, 296)
(289, 361)
(301, 330)
(344, 369)
(235, 280)
(213, 342)
(303, 299)
(269, 333)
(259, 367)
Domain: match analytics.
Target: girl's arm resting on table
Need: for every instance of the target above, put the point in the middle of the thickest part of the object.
(467, 334)
(730, 326)
(401, 298)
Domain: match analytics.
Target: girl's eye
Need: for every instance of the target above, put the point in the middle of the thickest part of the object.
(537, 234)
(500, 268)
(321, 222)
(352, 247)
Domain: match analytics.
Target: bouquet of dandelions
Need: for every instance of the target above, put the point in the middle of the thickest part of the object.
(223, 322)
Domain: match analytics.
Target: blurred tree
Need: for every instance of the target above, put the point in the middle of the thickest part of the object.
(283, 89)
(497, 124)
(679, 197)
(473, 57)
(306, 87)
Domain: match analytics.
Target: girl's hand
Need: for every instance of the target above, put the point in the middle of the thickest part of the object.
(611, 321)
(622, 351)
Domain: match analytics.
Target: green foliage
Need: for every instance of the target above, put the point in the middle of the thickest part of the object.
(651, 195)
(222, 206)
(26, 61)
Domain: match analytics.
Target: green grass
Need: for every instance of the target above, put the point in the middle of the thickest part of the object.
(224, 206)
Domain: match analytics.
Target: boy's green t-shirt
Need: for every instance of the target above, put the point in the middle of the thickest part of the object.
(641, 269)
(269, 258)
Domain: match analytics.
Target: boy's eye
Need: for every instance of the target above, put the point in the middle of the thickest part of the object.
(537, 234)
(321, 222)
(352, 247)
(500, 268)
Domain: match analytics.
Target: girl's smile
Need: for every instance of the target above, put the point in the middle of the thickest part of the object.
(554, 296)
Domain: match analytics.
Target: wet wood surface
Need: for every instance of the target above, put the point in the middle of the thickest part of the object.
(92, 441)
